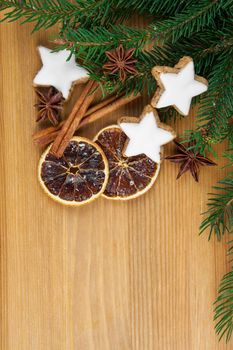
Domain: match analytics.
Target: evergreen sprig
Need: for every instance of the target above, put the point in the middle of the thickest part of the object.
(217, 106)
(46, 13)
(219, 217)
(98, 40)
(193, 19)
(223, 313)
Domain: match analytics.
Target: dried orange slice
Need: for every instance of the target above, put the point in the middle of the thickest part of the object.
(78, 177)
(129, 177)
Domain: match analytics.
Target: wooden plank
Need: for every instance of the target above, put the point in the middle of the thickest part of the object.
(108, 276)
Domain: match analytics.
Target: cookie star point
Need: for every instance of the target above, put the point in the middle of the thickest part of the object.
(58, 71)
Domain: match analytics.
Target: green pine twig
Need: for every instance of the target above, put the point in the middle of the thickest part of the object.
(219, 216)
(193, 19)
(46, 13)
(223, 312)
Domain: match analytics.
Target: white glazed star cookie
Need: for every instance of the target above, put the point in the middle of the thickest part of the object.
(146, 134)
(177, 85)
(59, 70)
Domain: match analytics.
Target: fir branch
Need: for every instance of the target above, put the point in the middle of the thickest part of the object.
(219, 217)
(204, 47)
(230, 250)
(217, 106)
(90, 46)
(198, 15)
(154, 7)
(224, 309)
(94, 42)
(46, 13)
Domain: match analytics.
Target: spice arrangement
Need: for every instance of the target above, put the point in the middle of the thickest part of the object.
(123, 161)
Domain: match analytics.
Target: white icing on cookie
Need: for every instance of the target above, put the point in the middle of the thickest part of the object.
(57, 71)
(146, 137)
(180, 88)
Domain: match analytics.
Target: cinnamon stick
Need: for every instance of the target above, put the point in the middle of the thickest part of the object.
(72, 122)
(45, 136)
(121, 101)
(100, 105)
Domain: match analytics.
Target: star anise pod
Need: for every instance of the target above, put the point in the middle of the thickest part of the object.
(189, 160)
(49, 105)
(121, 62)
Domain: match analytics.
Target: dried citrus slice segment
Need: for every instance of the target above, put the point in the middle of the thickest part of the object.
(129, 177)
(78, 177)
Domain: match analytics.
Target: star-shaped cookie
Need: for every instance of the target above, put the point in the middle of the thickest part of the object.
(177, 85)
(146, 134)
(59, 72)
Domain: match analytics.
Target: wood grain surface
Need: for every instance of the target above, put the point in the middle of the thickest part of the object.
(108, 276)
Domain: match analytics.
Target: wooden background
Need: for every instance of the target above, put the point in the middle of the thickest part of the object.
(108, 276)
